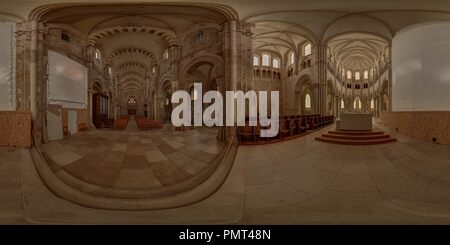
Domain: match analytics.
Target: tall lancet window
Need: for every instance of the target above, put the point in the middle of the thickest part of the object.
(308, 50)
(276, 63)
(349, 75)
(357, 75)
(308, 101)
(265, 60)
(366, 74)
(255, 60)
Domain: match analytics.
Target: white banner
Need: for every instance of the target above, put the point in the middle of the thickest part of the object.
(7, 66)
(67, 82)
(421, 68)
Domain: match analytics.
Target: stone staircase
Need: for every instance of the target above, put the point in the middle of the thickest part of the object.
(356, 137)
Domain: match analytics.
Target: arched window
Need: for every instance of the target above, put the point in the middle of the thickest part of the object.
(349, 74)
(194, 94)
(167, 101)
(357, 75)
(308, 101)
(342, 104)
(255, 60)
(265, 60)
(308, 49)
(292, 58)
(343, 72)
(371, 72)
(200, 37)
(276, 63)
(154, 70)
(98, 55)
(366, 74)
(372, 104)
(166, 54)
(357, 103)
(110, 70)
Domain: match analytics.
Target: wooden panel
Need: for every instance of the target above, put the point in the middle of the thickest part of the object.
(423, 125)
(15, 129)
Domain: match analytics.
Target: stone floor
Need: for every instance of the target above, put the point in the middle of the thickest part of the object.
(301, 181)
(133, 159)
(306, 181)
(11, 205)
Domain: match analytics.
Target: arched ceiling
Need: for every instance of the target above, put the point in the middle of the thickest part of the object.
(132, 38)
(279, 25)
(357, 51)
(278, 36)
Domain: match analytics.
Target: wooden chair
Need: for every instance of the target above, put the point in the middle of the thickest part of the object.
(285, 129)
(82, 127)
(294, 126)
(246, 132)
(66, 131)
(302, 124)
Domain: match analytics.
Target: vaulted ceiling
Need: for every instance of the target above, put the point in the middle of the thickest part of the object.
(278, 37)
(128, 32)
(132, 38)
(357, 51)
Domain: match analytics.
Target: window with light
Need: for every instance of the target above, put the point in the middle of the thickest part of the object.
(292, 58)
(255, 60)
(308, 49)
(308, 101)
(276, 63)
(357, 75)
(265, 60)
(349, 75)
(366, 74)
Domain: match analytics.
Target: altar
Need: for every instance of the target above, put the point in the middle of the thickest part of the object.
(355, 121)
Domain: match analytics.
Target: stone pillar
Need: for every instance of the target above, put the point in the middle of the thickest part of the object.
(390, 79)
(322, 79)
(233, 56)
(33, 68)
(233, 64)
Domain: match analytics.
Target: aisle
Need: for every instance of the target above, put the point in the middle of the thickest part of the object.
(132, 125)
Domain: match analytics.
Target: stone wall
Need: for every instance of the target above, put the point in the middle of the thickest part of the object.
(15, 129)
(423, 125)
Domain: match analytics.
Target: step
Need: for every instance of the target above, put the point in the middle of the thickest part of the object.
(357, 137)
(341, 132)
(355, 142)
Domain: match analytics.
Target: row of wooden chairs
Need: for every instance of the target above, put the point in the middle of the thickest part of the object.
(121, 122)
(144, 123)
(107, 123)
(289, 126)
(82, 127)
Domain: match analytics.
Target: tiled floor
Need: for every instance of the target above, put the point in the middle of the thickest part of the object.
(11, 208)
(306, 181)
(133, 159)
(301, 181)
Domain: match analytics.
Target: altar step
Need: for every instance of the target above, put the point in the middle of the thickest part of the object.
(348, 132)
(356, 137)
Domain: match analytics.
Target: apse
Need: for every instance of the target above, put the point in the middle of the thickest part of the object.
(420, 68)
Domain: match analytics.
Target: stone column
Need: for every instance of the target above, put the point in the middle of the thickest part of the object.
(233, 56)
(390, 79)
(322, 79)
(33, 68)
(233, 64)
